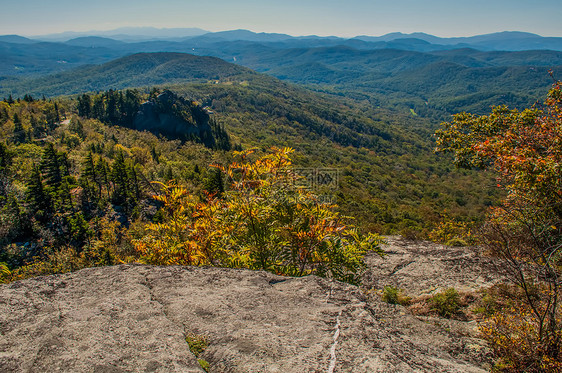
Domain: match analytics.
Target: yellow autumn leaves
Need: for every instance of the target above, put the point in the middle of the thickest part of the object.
(263, 221)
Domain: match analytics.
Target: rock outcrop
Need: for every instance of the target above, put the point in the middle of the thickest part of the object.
(135, 318)
(174, 117)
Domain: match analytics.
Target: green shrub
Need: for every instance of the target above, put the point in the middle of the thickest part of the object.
(452, 233)
(411, 233)
(446, 303)
(394, 295)
(204, 364)
(456, 242)
(197, 343)
(488, 304)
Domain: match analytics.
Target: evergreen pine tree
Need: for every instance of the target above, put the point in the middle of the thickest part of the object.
(51, 167)
(19, 133)
(98, 108)
(64, 197)
(77, 127)
(51, 116)
(39, 201)
(5, 159)
(14, 215)
(84, 106)
(5, 174)
(119, 178)
(214, 183)
(111, 114)
(4, 116)
(79, 230)
(90, 177)
(102, 172)
(154, 154)
(57, 113)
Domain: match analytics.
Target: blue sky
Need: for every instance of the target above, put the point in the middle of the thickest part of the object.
(294, 17)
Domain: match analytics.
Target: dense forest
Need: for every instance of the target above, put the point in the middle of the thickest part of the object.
(67, 179)
(389, 176)
(72, 168)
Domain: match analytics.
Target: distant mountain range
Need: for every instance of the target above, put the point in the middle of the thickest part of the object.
(503, 41)
(507, 40)
(429, 75)
(128, 34)
(54, 53)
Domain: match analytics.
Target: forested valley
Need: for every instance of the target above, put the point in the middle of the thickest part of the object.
(76, 167)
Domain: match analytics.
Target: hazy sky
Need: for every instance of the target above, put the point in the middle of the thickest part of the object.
(294, 17)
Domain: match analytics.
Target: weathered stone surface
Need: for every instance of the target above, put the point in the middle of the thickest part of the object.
(95, 320)
(421, 267)
(134, 318)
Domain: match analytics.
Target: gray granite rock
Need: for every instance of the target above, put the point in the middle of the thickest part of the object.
(134, 318)
(422, 267)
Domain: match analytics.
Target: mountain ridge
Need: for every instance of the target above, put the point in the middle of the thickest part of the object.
(385, 76)
(137, 70)
(514, 40)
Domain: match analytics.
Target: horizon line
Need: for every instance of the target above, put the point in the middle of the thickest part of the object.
(93, 32)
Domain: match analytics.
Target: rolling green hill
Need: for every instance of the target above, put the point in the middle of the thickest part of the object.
(434, 84)
(138, 70)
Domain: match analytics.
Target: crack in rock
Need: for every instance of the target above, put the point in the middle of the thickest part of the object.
(148, 284)
(400, 266)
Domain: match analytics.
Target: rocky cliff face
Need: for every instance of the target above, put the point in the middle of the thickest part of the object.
(174, 117)
(134, 318)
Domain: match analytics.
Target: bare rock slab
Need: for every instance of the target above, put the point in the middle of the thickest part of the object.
(422, 267)
(134, 318)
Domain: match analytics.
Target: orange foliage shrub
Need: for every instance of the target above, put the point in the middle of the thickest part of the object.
(525, 233)
(264, 221)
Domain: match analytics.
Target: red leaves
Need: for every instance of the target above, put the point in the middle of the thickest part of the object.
(525, 148)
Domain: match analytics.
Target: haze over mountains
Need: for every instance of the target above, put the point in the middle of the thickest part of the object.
(508, 40)
(127, 34)
(51, 53)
